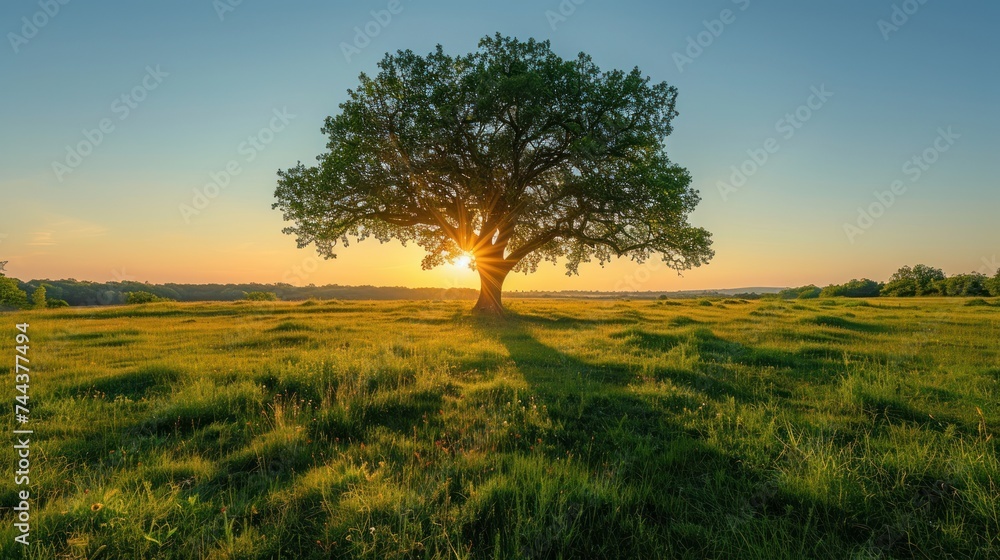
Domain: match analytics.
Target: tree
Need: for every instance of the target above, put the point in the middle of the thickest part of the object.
(855, 289)
(993, 284)
(138, 298)
(38, 298)
(804, 292)
(232, 294)
(509, 155)
(966, 285)
(11, 296)
(921, 280)
(809, 292)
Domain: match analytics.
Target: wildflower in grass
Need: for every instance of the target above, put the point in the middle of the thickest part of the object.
(96, 506)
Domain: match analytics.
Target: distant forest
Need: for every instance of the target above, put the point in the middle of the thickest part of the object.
(76, 292)
(919, 280)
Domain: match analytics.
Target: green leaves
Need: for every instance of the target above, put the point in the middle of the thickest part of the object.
(510, 150)
(12, 296)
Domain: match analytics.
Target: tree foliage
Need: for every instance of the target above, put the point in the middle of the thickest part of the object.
(993, 284)
(76, 292)
(974, 284)
(38, 300)
(920, 280)
(11, 296)
(855, 288)
(511, 154)
(137, 298)
(805, 292)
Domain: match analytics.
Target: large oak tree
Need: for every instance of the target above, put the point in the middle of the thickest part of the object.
(509, 154)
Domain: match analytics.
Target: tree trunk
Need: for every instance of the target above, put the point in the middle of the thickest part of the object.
(490, 291)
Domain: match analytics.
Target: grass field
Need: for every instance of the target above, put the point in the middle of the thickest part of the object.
(691, 429)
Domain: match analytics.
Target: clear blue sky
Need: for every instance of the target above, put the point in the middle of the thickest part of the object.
(221, 79)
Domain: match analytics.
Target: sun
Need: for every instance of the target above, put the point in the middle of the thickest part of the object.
(462, 261)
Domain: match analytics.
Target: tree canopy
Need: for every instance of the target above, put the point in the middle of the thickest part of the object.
(510, 154)
(993, 284)
(920, 280)
(804, 292)
(856, 288)
(11, 295)
(38, 298)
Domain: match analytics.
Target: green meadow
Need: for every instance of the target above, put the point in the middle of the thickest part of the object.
(568, 429)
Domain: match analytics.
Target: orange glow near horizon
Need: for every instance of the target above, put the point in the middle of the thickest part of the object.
(370, 263)
(240, 241)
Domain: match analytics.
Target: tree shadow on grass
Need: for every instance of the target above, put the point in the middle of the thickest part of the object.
(706, 493)
(720, 360)
(584, 395)
(637, 442)
(567, 322)
(146, 382)
(883, 412)
(845, 324)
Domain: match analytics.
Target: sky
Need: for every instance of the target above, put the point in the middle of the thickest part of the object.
(828, 140)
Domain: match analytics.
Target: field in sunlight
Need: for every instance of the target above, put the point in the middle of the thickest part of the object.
(571, 429)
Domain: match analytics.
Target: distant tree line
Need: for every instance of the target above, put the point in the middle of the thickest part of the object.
(919, 280)
(13, 296)
(14, 293)
(138, 298)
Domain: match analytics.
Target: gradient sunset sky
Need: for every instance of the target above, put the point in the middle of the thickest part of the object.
(897, 80)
